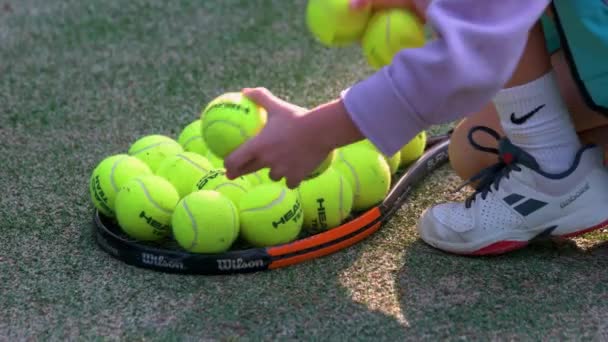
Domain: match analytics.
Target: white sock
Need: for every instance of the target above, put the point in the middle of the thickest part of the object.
(548, 134)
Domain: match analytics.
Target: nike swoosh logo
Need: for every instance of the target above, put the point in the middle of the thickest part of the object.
(523, 119)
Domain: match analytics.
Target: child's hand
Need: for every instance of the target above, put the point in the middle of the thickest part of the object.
(356, 4)
(384, 4)
(289, 145)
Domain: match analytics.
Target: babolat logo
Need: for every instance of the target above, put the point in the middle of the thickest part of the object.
(230, 106)
(293, 213)
(238, 264)
(209, 176)
(101, 197)
(161, 261)
(574, 196)
(159, 228)
(321, 221)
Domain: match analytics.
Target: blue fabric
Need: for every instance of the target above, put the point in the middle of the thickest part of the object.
(584, 38)
(551, 35)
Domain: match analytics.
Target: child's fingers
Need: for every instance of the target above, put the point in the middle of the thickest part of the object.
(264, 98)
(381, 4)
(359, 4)
(252, 166)
(276, 174)
(293, 182)
(243, 160)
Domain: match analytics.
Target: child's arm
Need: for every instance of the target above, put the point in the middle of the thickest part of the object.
(479, 46)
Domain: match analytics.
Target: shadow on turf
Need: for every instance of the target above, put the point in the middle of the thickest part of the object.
(303, 302)
(551, 289)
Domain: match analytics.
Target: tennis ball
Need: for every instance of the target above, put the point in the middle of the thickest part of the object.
(144, 206)
(111, 174)
(367, 172)
(191, 139)
(216, 161)
(259, 177)
(205, 222)
(388, 32)
(393, 161)
(413, 149)
(153, 149)
(270, 214)
(327, 201)
(333, 23)
(230, 120)
(216, 180)
(183, 170)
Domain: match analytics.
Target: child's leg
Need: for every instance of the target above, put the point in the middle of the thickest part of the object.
(468, 161)
(547, 184)
(531, 110)
(591, 127)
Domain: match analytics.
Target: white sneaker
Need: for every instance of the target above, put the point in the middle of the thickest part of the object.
(516, 202)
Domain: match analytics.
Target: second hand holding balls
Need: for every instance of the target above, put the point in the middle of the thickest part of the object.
(382, 33)
(333, 23)
(388, 32)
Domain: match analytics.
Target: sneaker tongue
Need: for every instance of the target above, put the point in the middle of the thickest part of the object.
(510, 154)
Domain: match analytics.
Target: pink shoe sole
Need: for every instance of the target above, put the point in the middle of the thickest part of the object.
(502, 247)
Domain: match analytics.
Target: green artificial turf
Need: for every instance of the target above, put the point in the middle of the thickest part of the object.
(80, 80)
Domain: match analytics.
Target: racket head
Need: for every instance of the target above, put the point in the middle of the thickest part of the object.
(169, 257)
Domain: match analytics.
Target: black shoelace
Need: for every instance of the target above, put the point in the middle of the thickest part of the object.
(490, 177)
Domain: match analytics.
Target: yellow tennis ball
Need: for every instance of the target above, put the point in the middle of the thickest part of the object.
(205, 222)
(390, 31)
(144, 206)
(191, 139)
(259, 177)
(183, 170)
(153, 149)
(216, 161)
(230, 120)
(111, 174)
(413, 149)
(367, 172)
(333, 23)
(270, 214)
(327, 200)
(216, 180)
(393, 161)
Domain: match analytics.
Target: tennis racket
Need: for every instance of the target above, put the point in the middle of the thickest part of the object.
(173, 259)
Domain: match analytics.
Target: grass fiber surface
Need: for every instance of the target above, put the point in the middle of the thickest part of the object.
(80, 80)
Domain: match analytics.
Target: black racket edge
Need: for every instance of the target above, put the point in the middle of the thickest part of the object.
(174, 261)
(256, 259)
(434, 157)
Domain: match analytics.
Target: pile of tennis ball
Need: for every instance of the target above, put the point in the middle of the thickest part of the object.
(163, 189)
(382, 34)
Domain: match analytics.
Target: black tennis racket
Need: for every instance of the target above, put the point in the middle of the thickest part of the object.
(169, 257)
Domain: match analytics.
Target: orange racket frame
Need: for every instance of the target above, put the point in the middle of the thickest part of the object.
(160, 258)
